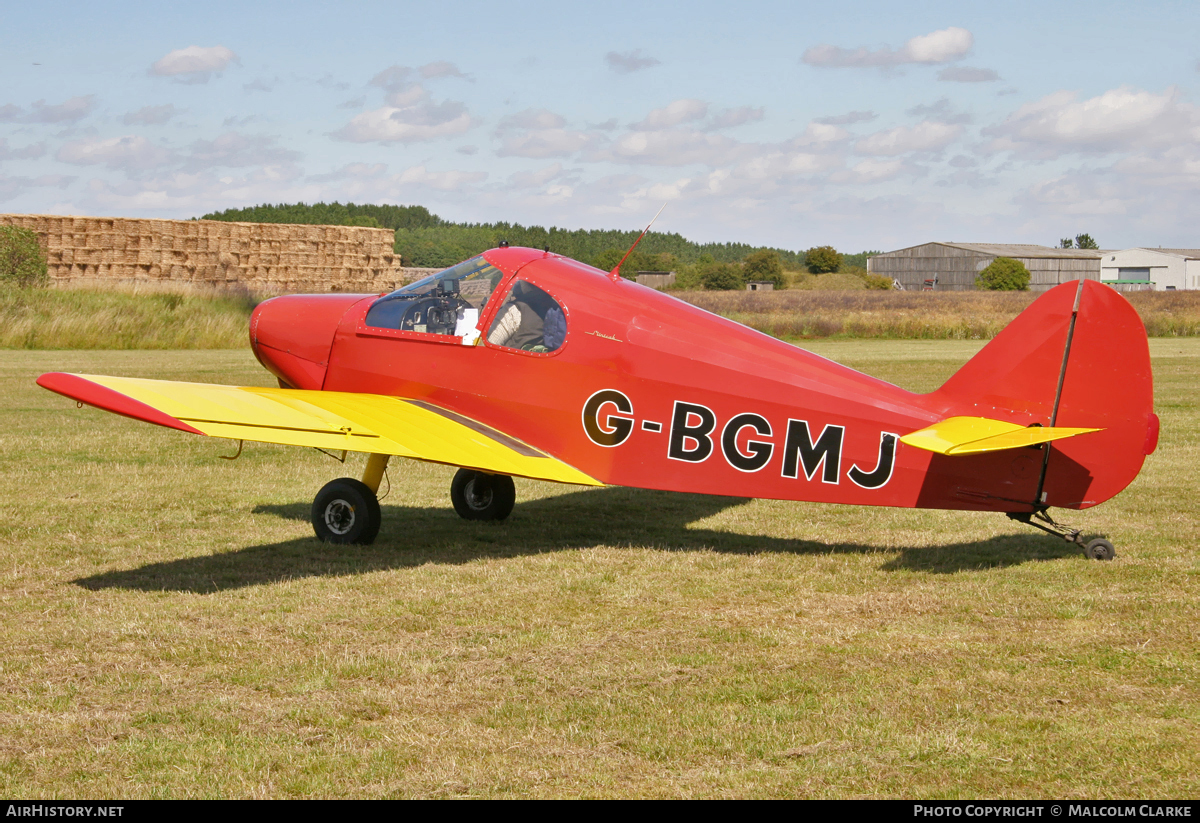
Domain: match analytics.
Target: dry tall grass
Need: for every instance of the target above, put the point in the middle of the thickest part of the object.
(121, 319)
(917, 315)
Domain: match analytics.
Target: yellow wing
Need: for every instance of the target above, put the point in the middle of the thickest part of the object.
(335, 421)
(974, 435)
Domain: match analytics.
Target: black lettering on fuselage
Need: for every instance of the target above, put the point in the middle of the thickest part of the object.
(759, 450)
(799, 448)
(691, 424)
(610, 429)
(882, 472)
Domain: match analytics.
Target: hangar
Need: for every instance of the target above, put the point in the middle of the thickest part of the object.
(1151, 269)
(954, 266)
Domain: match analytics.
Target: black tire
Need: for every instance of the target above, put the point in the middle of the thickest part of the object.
(1100, 549)
(346, 511)
(480, 496)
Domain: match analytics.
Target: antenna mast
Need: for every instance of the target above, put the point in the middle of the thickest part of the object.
(615, 274)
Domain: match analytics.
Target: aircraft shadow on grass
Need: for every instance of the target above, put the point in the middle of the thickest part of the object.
(612, 516)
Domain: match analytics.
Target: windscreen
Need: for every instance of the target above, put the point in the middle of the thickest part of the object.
(466, 286)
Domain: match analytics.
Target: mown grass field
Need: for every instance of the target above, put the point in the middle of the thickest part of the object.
(173, 629)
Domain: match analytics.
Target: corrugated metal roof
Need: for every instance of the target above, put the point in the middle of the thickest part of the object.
(1027, 250)
(1192, 254)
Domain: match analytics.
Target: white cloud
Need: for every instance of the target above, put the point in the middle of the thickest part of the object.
(194, 64)
(966, 74)
(69, 111)
(11, 187)
(541, 143)
(671, 148)
(439, 180)
(629, 61)
(848, 118)
(874, 171)
(29, 152)
(535, 179)
(532, 119)
(393, 78)
(236, 150)
(351, 171)
(942, 46)
(408, 124)
(540, 133)
(131, 153)
(941, 111)
(1121, 119)
(817, 133)
(729, 118)
(409, 114)
(150, 115)
(680, 111)
(927, 136)
(440, 68)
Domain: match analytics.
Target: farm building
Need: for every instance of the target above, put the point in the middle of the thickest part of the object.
(954, 266)
(1152, 269)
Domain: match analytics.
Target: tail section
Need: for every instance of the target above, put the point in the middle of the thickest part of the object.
(1077, 357)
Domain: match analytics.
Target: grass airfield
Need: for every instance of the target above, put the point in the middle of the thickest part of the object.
(172, 628)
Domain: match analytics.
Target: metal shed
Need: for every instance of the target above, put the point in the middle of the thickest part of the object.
(954, 266)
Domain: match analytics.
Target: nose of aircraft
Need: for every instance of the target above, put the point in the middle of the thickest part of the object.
(293, 335)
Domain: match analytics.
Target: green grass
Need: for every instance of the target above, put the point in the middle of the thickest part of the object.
(172, 629)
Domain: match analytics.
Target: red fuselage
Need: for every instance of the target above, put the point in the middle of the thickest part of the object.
(651, 392)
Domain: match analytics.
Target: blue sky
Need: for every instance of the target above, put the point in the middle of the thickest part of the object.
(856, 124)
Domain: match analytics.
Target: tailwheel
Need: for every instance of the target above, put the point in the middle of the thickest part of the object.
(346, 511)
(480, 496)
(1096, 549)
(1100, 549)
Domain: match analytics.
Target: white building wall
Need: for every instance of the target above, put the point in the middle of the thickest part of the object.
(1192, 275)
(1166, 269)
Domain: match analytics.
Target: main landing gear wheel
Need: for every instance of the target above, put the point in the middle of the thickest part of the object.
(346, 511)
(1100, 549)
(481, 496)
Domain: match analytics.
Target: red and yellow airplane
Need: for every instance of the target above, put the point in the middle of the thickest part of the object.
(523, 363)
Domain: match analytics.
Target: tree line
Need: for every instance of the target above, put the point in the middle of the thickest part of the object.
(424, 240)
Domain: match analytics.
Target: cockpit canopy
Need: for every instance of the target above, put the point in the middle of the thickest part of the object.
(441, 303)
(451, 303)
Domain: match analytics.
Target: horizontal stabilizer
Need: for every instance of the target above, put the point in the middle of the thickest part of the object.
(336, 421)
(975, 435)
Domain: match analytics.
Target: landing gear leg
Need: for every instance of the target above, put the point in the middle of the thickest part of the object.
(347, 510)
(1097, 549)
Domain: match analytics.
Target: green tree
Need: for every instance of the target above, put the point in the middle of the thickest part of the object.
(1066, 243)
(22, 262)
(765, 265)
(722, 276)
(1085, 241)
(1004, 274)
(823, 259)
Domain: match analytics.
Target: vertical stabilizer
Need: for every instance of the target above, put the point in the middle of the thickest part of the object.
(1078, 356)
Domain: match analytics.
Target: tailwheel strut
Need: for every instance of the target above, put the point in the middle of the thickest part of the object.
(1098, 548)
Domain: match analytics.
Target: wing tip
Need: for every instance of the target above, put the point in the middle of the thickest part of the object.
(82, 390)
